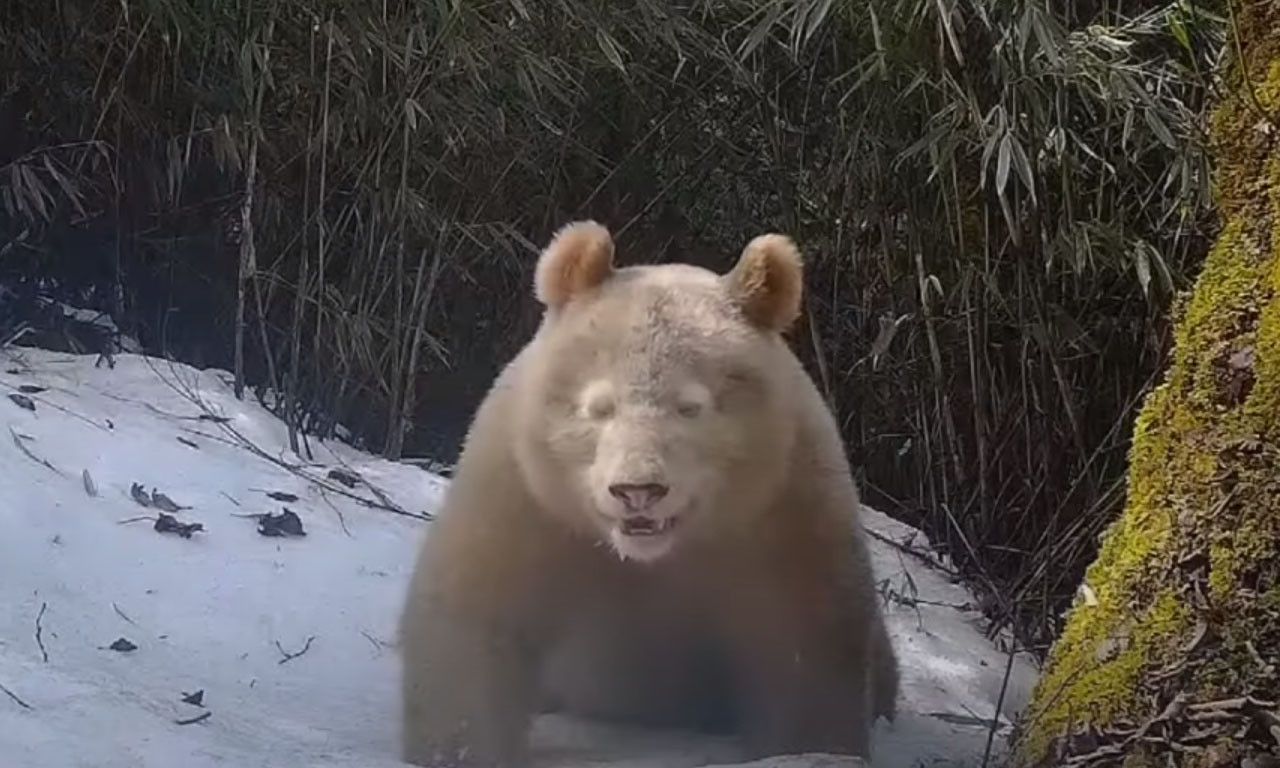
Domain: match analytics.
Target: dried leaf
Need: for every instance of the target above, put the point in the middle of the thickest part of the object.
(1090, 597)
(1241, 359)
(349, 479)
(161, 501)
(888, 330)
(169, 524)
(287, 523)
(1201, 631)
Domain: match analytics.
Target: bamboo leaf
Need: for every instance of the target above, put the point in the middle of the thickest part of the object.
(761, 31)
(68, 188)
(1023, 166)
(411, 114)
(1178, 28)
(612, 51)
(944, 16)
(36, 190)
(1142, 266)
(817, 14)
(1159, 128)
(1003, 159)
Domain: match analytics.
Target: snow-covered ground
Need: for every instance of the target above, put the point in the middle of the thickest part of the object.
(289, 637)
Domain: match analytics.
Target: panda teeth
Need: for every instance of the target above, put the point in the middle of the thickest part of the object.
(647, 526)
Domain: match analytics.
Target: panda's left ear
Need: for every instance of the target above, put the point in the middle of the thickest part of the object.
(767, 282)
(578, 258)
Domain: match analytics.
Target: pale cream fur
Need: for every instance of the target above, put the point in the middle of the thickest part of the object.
(668, 390)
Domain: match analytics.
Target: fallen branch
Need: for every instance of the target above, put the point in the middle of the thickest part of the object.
(70, 412)
(186, 392)
(244, 444)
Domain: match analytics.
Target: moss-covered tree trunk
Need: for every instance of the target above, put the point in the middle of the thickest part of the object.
(1171, 654)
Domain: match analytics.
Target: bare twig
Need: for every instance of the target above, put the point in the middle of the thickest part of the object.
(377, 644)
(342, 520)
(1004, 686)
(291, 656)
(122, 614)
(914, 601)
(44, 654)
(14, 696)
(920, 554)
(17, 440)
(193, 720)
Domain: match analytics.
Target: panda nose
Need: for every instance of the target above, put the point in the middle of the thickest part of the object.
(637, 497)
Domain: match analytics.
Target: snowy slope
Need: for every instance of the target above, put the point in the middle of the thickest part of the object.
(223, 611)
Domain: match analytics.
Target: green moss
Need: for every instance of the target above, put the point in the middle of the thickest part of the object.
(1204, 483)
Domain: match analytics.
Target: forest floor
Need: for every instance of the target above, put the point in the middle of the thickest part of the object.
(130, 640)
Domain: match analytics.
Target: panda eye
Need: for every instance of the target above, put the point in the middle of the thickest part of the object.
(599, 408)
(736, 378)
(597, 401)
(692, 400)
(689, 410)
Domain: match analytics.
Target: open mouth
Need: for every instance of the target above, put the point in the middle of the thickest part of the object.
(646, 526)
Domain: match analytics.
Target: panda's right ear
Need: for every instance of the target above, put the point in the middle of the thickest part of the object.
(767, 282)
(578, 258)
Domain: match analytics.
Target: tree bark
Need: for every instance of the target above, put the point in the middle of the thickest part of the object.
(1171, 653)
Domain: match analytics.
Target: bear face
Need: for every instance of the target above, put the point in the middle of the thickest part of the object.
(657, 413)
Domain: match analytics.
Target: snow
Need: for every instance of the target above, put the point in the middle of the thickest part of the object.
(220, 610)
